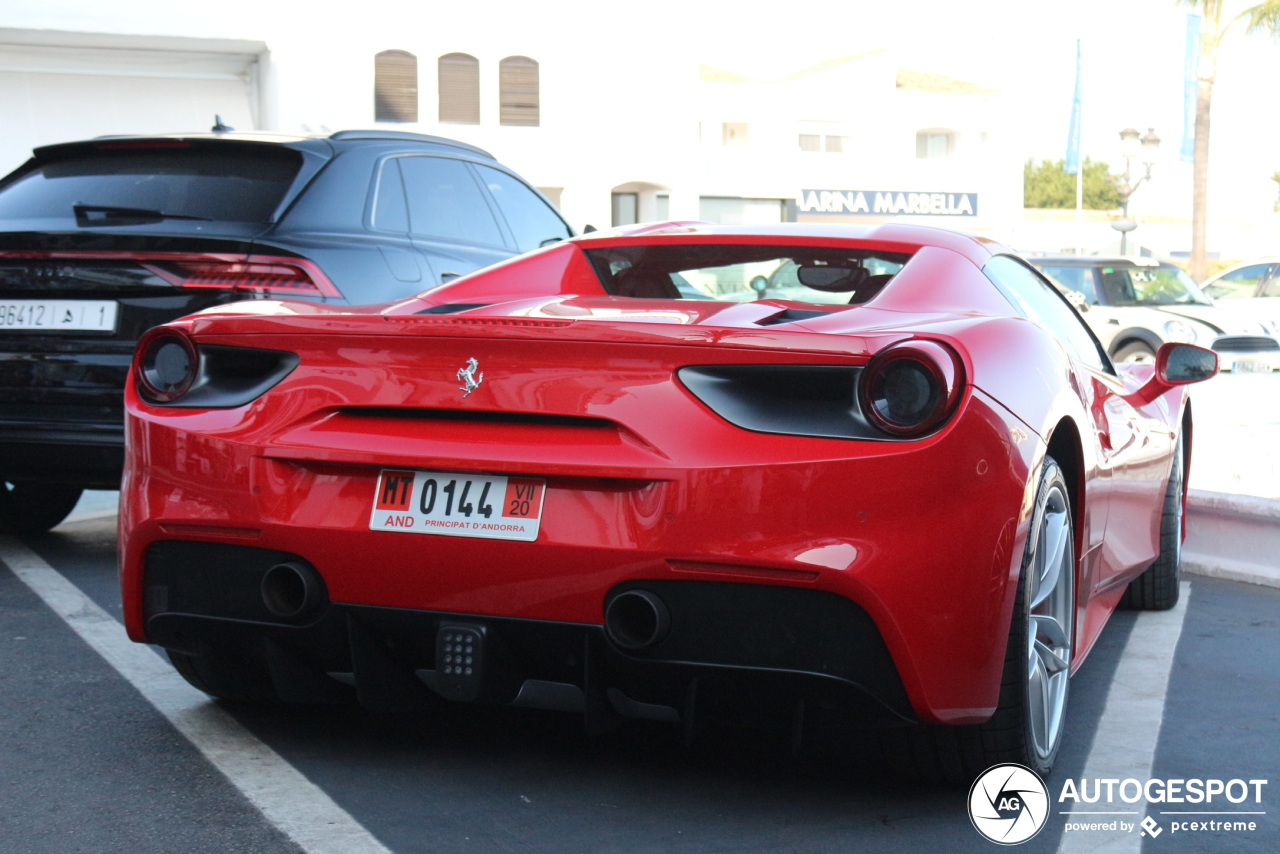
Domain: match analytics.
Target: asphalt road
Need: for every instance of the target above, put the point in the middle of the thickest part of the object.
(90, 763)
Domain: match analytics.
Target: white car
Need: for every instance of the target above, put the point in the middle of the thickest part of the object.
(1134, 305)
(1251, 288)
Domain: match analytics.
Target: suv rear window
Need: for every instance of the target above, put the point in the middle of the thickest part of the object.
(179, 181)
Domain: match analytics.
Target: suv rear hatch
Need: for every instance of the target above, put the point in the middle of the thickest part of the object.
(99, 242)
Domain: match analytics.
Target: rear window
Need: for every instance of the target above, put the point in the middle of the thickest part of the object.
(226, 184)
(745, 272)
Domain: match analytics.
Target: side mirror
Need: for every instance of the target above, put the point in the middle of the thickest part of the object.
(1176, 364)
(1181, 364)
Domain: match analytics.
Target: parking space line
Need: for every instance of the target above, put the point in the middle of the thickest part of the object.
(288, 800)
(1124, 744)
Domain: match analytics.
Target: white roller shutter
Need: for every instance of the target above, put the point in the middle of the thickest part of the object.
(58, 87)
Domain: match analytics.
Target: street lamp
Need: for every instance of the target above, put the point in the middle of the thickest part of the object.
(1132, 145)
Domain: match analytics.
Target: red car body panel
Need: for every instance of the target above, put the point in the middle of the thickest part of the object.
(643, 480)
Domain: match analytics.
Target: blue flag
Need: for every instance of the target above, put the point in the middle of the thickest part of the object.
(1190, 88)
(1072, 165)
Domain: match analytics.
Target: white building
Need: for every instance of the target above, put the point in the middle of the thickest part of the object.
(858, 138)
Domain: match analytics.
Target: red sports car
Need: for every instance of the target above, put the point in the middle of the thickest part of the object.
(673, 472)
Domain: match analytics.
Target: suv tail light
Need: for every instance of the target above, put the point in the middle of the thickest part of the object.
(256, 275)
(260, 274)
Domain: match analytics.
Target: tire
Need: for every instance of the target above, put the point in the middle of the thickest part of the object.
(1158, 587)
(1028, 723)
(223, 678)
(1135, 352)
(33, 508)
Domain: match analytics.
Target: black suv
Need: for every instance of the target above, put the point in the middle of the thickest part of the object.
(101, 240)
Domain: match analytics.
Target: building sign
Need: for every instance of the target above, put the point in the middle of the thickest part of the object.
(887, 203)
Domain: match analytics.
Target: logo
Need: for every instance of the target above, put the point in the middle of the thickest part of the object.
(1008, 804)
(1149, 826)
(467, 376)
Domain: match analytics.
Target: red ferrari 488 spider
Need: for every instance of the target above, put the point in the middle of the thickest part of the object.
(675, 472)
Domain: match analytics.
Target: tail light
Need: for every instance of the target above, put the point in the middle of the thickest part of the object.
(170, 370)
(258, 274)
(911, 389)
(165, 365)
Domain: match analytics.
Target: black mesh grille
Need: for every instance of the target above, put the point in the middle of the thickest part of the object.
(1246, 344)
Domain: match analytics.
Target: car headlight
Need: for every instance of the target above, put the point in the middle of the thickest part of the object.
(1176, 330)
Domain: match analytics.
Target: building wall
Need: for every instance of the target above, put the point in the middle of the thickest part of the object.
(618, 114)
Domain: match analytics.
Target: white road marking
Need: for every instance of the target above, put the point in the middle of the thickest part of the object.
(288, 800)
(1124, 745)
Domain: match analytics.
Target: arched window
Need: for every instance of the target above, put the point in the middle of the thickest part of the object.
(518, 91)
(459, 76)
(395, 86)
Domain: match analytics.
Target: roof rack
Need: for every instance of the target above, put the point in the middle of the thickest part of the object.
(409, 136)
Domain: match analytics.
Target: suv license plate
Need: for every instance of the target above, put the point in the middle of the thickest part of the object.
(57, 315)
(489, 507)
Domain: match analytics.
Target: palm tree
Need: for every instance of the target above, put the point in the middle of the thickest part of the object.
(1262, 16)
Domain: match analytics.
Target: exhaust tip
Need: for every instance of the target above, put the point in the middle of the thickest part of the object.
(636, 619)
(291, 590)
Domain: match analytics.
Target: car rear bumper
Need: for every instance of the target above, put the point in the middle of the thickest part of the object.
(727, 644)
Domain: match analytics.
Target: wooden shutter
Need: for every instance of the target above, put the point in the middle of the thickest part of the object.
(395, 86)
(459, 88)
(518, 91)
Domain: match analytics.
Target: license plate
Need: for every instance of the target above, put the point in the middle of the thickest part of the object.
(56, 315)
(1251, 366)
(489, 507)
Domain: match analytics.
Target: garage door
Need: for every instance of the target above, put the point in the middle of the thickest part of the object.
(92, 85)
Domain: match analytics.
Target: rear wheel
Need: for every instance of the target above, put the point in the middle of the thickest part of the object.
(1028, 722)
(29, 507)
(1157, 588)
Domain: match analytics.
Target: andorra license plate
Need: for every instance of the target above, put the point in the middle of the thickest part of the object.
(458, 505)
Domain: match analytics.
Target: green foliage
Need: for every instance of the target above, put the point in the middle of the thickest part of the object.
(1046, 185)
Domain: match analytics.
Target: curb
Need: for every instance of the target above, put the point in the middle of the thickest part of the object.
(1234, 537)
